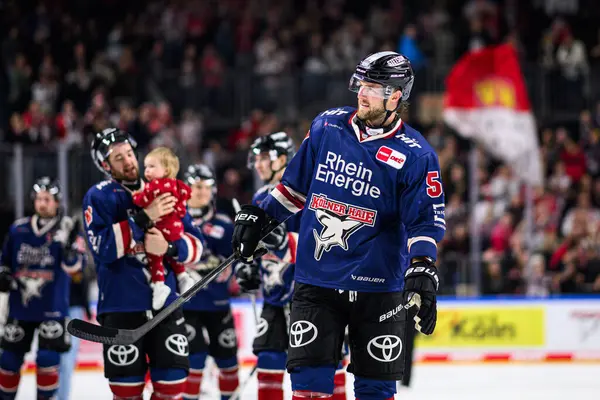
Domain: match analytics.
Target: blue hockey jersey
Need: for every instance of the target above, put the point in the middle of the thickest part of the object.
(217, 231)
(371, 203)
(39, 270)
(118, 251)
(277, 268)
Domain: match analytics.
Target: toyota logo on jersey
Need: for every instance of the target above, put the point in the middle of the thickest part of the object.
(340, 220)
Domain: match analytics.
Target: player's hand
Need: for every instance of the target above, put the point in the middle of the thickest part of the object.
(63, 233)
(162, 205)
(6, 279)
(247, 276)
(421, 277)
(155, 243)
(247, 232)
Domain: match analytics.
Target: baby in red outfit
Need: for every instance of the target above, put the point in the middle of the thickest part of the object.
(160, 170)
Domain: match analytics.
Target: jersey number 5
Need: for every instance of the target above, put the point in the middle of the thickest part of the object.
(434, 186)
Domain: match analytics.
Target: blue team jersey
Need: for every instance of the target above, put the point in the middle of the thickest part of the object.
(217, 232)
(38, 266)
(277, 268)
(118, 250)
(371, 203)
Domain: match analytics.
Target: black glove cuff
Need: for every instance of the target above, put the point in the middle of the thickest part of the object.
(421, 268)
(172, 251)
(142, 220)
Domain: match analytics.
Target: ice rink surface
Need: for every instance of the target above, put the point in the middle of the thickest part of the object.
(442, 381)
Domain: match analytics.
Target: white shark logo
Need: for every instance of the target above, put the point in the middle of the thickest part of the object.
(273, 271)
(31, 287)
(336, 231)
(339, 220)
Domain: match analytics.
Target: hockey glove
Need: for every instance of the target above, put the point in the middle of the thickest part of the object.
(6, 279)
(421, 277)
(247, 276)
(277, 240)
(64, 231)
(247, 232)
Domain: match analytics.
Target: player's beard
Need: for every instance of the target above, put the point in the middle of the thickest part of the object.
(130, 174)
(45, 213)
(372, 116)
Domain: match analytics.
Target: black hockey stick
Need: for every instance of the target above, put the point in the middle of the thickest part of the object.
(115, 336)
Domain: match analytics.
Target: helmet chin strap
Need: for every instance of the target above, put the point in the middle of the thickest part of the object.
(273, 173)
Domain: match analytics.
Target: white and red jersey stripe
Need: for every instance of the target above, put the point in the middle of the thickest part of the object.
(292, 200)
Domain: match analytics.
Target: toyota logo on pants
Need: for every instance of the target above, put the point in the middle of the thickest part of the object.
(122, 356)
(177, 344)
(302, 333)
(227, 338)
(51, 329)
(261, 327)
(385, 348)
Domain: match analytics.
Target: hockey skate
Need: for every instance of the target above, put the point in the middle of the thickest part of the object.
(185, 281)
(160, 292)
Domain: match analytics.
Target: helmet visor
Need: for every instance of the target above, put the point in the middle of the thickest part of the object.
(50, 188)
(257, 152)
(361, 86)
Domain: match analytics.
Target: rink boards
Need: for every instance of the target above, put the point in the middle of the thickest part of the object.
(565, 329)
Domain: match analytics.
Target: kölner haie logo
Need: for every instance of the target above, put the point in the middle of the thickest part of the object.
(339, 220)
(391, 157)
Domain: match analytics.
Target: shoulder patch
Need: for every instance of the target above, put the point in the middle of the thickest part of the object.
(103, 184)
(410, 142)
(334, 112)
(88, 215)
(391, 157)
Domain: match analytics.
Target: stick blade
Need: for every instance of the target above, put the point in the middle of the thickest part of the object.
(101, 334)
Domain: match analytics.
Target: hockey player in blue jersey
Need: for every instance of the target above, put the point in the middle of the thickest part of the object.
(119, 235)
(268, 156)
(38, 257)
(210, 309)
(373, 212)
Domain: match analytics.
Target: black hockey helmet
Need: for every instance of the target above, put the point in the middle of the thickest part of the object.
(200, 172)
(47, 184)
(102, 142)
(387, 68)
(276, 144)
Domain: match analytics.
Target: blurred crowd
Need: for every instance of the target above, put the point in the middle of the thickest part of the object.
(207, 77)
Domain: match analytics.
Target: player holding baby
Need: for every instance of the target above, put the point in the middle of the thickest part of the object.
(161, 166)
